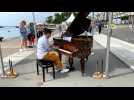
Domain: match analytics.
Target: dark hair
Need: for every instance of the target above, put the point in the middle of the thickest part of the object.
(47, 31)
(23, 21)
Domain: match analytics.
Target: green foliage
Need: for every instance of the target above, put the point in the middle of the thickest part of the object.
(124, 18)
(59, 17)
(49, 19)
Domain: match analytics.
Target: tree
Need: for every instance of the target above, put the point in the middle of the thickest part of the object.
(57, 18)
(60, 17)
(49, 19)
(124, 18)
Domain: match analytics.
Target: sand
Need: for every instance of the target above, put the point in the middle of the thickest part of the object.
(10, 46)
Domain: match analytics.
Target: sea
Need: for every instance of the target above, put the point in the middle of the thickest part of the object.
(9, 32)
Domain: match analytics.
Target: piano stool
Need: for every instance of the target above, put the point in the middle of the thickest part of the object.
(45, 64)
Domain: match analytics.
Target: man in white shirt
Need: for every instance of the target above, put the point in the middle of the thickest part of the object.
(45, 51)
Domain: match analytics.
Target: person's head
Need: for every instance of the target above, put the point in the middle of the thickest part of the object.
(40, 27)
(31, 24)
(23, 23)
(47, 32)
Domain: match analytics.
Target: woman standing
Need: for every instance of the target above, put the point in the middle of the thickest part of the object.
(23, 32)
(31, 34)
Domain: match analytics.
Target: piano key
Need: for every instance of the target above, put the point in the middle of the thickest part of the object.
(68, 52)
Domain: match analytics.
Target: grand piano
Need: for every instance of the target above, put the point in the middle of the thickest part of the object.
(80, 45)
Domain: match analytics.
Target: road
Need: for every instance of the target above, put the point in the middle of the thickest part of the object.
(124, 34)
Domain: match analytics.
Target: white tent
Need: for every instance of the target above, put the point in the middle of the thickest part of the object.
(70, 19)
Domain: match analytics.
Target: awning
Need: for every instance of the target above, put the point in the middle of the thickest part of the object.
(70, 19)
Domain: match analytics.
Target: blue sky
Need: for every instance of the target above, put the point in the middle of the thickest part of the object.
(14, 18)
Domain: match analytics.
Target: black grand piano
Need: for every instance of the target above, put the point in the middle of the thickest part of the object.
(80, 45)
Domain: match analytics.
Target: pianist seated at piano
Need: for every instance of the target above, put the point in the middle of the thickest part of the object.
(46, 52)
(74, 43)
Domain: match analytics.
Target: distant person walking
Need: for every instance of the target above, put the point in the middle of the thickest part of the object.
(90, 28)
(99, 27)
(31, 34)
(93, 27)
(23, 32)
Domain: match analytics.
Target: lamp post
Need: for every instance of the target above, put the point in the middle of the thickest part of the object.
(2, 64)
(132, 21)
(110, 14)
(34, 21)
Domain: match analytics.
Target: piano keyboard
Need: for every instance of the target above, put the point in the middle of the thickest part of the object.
(65, 51)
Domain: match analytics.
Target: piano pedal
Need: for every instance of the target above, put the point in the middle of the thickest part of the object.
(86, 59)
(92, 53)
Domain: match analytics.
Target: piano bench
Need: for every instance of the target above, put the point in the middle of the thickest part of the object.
(45, 64)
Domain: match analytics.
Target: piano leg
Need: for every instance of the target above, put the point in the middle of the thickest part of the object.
(82, 61)
(60, 56)
(70, 67)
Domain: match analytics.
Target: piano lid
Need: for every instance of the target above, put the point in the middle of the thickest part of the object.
(79, 25)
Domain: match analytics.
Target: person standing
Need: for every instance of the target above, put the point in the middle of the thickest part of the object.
(99, 27)
(31, 34)
(93, 27)
(23, 33)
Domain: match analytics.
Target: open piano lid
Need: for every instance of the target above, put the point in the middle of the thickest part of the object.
(79, 25)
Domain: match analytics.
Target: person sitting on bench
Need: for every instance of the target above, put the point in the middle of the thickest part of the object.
(46, 52)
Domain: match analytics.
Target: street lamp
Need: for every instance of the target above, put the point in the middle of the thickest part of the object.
(34, 21)
(36, 39)
(2, 64)
(110, 18)
(132, 21)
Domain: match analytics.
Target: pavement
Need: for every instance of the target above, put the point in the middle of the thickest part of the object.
(121, 49)
(120, 74)
(10, 50)
(124, 34)
(16, 58)
(10, 46)
(122, 26)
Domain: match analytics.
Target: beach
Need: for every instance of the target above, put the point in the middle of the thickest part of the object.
(10, 46)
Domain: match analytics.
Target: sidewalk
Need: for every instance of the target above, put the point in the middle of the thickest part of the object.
(10, 46)
(121, 49)
(120, 74)
(10, 50)
(122, 26)
(16, 58)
